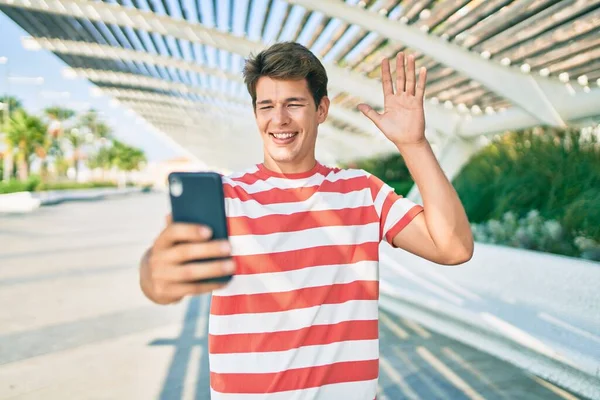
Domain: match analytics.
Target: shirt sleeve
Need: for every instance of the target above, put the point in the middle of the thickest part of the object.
(395, 212)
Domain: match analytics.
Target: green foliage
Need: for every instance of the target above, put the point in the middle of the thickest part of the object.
(34, 184)
(85, 135)
(14, 105)
(120, 155)
(582, 216)
(14, 185)
(59, 113)
(543, 170)
(125, 157)
(536, 189)
(74, 185)
(26, 131)
(390, 169)
(401, 188)
(530, 232)
(91, 122)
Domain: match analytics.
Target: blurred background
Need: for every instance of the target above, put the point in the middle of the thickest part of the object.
(100, 100)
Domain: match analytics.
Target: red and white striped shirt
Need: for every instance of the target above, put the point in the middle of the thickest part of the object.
(299, 320)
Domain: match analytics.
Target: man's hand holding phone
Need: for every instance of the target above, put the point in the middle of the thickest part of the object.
(172, 268)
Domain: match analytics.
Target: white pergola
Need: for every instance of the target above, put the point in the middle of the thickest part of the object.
(493, 65)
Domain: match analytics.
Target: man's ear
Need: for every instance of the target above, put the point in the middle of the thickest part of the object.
(323, 109)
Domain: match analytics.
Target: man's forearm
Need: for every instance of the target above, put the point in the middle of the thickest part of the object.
(444, 213)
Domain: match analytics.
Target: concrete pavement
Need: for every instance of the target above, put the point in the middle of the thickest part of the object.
(74, 324)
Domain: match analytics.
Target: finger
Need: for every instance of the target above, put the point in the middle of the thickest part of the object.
(178, 232)
(187, 252)
(421, 84)
(386, 78)
(197, 271)
(169, 219)
(410, 75)
(400, 77)
(370, 113)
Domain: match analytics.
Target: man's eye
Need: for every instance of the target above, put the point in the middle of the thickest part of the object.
(295, 105)
(266, 107)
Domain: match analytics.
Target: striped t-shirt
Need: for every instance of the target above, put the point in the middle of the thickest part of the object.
(299, 320)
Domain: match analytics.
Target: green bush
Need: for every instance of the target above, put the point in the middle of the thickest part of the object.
(545, 170)
(33, 184)
(582, 216)
(14, 185)
(554, 171)
(401, 188)
(530, 232)
(390, 169)
(73, 185)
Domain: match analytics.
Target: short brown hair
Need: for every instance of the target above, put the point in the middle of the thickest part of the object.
(289, 61)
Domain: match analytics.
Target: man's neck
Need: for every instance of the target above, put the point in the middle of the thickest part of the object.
(290, 168)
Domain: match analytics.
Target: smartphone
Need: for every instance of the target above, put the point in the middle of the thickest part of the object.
(197, 198)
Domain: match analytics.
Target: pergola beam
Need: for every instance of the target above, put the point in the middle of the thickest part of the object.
(134, 80)
(79, 48)
(153, 106)
(107, 52)
(573, 107)
(342, 79)
(523, 90)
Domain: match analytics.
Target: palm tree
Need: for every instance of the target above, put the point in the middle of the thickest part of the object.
(102, 159)
(91, 122)
(13, 103)
(10, 104)
(28, 133)
(76, 140)
(57, 116)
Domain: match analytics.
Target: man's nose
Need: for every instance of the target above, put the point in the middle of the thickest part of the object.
(281, 116)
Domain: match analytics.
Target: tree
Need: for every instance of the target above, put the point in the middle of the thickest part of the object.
(102, 159)
(127, 158)
(59, 113)
(57, 116)
(14, 104)
(90, 122)
(28, 133)
(76, 140)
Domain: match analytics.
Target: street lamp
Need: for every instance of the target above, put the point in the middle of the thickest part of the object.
(4, 61)
(7, 159)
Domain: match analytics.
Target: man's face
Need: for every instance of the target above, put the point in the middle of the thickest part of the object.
(287, 120)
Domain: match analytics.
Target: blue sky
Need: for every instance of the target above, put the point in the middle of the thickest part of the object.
(35, 98)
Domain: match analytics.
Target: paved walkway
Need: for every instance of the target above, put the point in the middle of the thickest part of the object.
(74, 324)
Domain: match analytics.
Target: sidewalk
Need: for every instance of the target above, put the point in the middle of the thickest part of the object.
(76, 325)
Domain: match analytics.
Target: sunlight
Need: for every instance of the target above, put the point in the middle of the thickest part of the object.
(466, 365)
(449, 374)
(396, 377)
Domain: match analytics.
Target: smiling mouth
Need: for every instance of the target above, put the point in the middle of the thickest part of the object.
(283, 137)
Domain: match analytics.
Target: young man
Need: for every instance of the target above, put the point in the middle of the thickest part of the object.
(299, 319)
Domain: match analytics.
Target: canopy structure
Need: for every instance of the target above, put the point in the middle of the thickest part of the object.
(493, 65)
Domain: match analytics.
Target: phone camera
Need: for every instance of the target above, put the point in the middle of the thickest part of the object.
(175, 186)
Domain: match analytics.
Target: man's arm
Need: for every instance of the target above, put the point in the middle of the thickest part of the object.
(441, 233)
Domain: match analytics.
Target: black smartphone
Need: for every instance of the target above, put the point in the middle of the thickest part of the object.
(197, 198)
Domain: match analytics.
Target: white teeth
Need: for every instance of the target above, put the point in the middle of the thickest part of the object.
(283, 135)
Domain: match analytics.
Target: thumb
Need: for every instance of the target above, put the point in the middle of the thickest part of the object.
(369, 112)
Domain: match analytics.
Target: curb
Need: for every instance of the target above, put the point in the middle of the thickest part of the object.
(26, 202)
(465, 328)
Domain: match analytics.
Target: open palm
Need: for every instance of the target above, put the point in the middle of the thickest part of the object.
(403, 117)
